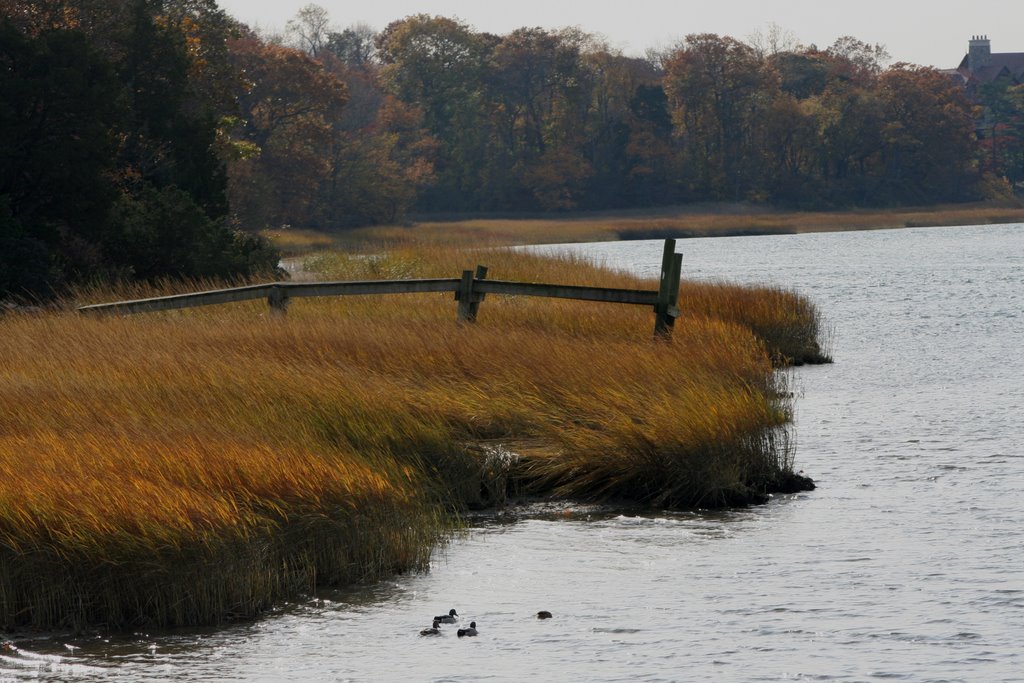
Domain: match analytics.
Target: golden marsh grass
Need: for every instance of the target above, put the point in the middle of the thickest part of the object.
(192, 466)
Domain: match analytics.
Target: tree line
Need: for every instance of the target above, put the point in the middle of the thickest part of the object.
(549, 120)
(140, 136)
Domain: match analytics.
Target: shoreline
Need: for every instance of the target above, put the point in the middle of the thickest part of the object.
(687, 221)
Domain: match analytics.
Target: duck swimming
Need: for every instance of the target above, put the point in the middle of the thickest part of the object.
(471, 631)
(449, 618)
(543, 614)
(433, 630)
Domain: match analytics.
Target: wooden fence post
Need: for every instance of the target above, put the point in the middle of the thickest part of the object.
(673, 291)
(278, 301)
(475, 299)
(464, 294)
(666, 308)
(469, 302)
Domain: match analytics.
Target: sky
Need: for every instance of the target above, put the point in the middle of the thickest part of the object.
(932, 33)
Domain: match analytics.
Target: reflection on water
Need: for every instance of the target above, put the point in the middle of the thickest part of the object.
(904, 564)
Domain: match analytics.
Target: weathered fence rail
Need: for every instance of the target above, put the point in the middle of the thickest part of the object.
(470, 290)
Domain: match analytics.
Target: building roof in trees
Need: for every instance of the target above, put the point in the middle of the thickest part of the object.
(1007, 64)
(993, 65)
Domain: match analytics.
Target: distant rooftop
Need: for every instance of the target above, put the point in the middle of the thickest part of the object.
(980, 65)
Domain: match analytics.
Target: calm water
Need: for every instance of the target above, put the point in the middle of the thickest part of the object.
(907, 563)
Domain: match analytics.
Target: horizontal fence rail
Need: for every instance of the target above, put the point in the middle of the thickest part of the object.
(469, 290)
(284, 289)
(618, 296)
(164, 303)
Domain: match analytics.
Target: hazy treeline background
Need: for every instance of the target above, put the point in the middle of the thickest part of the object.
(149, 138)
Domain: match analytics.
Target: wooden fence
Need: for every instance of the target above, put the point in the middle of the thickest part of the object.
(470, 290)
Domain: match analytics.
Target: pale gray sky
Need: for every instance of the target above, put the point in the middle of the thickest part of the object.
(932, 33)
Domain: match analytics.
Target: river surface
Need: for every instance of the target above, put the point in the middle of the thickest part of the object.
(907, 562)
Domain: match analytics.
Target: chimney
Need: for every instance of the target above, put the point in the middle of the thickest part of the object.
(979, 53)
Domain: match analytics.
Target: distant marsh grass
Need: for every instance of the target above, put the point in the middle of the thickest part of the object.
(700, 220)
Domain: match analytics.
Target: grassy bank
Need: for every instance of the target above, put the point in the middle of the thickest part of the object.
(700, 220)
(193, 466)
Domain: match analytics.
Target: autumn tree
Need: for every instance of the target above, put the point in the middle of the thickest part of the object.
(539, 93)
(928, 136)
(436, 65)
(615, 125)
(288, 107)
(790, 154)
(382, 156)
(651, 176)
(378, 169)
(849, 120)
(718, 90)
